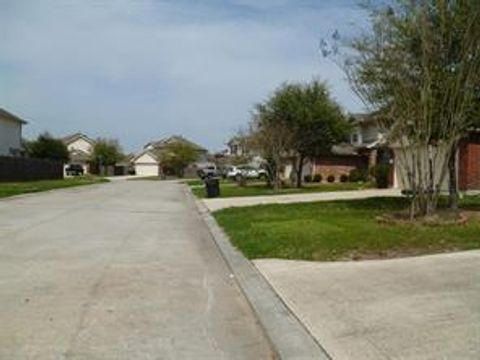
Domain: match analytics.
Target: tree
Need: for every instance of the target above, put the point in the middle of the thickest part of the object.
(419, 70)
(47, 147)
(271, 138)
(299, 121)
(316, 121)
(177, 156)
(106, 152)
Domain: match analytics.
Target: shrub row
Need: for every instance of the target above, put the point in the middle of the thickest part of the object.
(355, 175)
(381, 173)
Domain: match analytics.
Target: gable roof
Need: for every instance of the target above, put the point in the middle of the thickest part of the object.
(74, 137)
(79, 155)
(173, 139)
(145, 152)
(8, 115)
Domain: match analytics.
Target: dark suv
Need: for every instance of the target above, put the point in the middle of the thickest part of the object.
(74, 170)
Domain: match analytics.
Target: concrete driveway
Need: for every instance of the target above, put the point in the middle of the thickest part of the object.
(125, 270)
(415, 308)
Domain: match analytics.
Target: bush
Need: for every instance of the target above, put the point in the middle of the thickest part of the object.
(317, 178)
(343, 178)
(381, 173)
(331, 178)
(359, 175)
(48, 147)
(307, 178)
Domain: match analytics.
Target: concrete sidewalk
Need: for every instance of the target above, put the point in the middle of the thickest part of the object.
(413, 308)
(222, 203)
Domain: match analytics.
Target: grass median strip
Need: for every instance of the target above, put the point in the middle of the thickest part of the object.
(17, 188)
(260, 189)
(341, 230)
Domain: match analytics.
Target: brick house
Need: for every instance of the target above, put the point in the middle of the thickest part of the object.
(469, 163)
(364, 150)
(337, 165)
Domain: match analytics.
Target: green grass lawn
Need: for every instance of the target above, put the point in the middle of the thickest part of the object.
(201, 183)
(341, 230)
(18, 188)
(258, 189)
(190, 182)
(149, 178)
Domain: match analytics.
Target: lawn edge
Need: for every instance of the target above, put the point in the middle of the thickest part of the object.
(36, 193)
(288, 336)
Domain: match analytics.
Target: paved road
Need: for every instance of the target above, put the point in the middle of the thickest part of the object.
(414, 308)
(222, 203)
(125, 270)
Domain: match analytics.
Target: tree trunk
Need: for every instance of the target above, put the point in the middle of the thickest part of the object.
(453, 181)
(299, 170)
(276, 172)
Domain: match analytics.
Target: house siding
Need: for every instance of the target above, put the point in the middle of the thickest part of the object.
(146, 165)
(10, 136)
(370, 133)
(82, 145)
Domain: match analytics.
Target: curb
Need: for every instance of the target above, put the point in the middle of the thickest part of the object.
(288, 336)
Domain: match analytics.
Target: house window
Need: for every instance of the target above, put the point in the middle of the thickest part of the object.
(356, 139)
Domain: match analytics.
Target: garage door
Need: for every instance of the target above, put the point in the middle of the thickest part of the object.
(146, 170)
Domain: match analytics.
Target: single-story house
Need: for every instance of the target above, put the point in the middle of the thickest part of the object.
(80, 147)
(148, 161)
(10, 133)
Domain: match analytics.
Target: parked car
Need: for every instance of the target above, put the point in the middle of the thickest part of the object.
(223, 171)
(207, 171)
(74, 170)
(246, 171)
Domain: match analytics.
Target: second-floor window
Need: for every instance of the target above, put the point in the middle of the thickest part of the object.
(356, 138)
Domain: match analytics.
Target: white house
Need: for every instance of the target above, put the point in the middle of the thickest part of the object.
(80, 147)
(147, 162)
(10, 133)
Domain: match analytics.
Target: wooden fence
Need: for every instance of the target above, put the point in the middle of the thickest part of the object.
(25, 169)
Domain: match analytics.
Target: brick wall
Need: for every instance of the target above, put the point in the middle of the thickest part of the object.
(338, 165)
(469, 164)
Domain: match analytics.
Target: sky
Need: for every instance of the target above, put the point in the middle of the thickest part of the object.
(140, 70)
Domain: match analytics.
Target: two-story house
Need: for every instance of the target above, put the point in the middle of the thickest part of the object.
(80, 148)
(10, 133)
(148, 161)
(365, 149)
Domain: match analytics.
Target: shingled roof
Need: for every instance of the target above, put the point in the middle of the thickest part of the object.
(158, 145)
(74, 137)
(8, 115)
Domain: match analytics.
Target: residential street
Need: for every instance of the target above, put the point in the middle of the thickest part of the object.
(125, 270)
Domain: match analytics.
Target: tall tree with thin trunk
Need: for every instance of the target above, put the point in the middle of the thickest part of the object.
(271, 138)
(419, 69)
